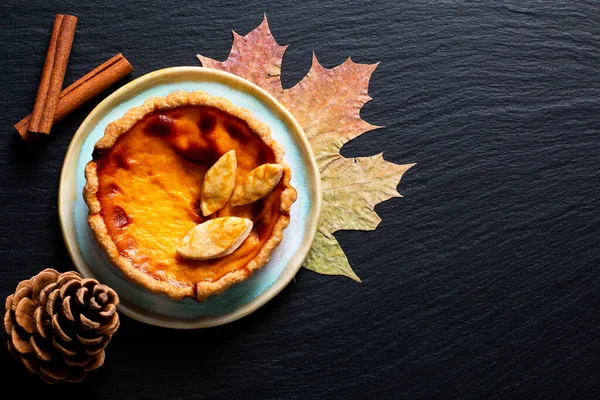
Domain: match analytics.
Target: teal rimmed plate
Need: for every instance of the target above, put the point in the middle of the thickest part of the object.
(241, 299)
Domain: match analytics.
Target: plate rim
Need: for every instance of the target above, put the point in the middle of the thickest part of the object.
(140, 84)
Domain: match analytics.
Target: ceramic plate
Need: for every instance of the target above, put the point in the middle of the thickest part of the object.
(241, 299)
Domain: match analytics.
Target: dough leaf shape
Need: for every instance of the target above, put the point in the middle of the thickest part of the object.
(257, 184)
(215, 238)
(218, 183)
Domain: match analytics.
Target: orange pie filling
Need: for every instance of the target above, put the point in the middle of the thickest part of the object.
(149, 189)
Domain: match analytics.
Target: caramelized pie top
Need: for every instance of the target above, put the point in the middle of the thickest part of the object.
(144, 192)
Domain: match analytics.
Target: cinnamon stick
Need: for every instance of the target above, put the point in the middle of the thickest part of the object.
(53, 73)
(84, 89)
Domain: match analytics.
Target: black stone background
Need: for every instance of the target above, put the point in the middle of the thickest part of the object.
(481, 283)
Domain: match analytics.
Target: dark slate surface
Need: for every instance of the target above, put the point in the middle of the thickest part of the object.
(481, 283)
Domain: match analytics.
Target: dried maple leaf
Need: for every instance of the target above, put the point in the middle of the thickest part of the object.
(327, 104)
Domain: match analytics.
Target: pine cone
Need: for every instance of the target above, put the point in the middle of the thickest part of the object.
(58, 325)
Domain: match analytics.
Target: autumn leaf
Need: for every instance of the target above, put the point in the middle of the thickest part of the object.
(327, 104)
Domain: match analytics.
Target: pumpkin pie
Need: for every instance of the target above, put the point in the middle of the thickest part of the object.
(188, 194)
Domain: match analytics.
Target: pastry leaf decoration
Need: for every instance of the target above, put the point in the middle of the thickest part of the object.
(327, 104)
(215, 238)
(257, 184)
(218, 183)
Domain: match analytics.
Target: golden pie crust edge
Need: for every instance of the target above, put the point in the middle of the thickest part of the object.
(98, 227)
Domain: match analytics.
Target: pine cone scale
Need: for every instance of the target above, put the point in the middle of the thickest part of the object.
(94, 341)
(11, 348)
(42, 280)
(87, 323)
(41, 323)
(8, 323)
(81, 296)
(48, 379)
(40, 349)
(20, 294)
(109, 312)
(31, 364)
(77, 376)
(24, 315)
(96, 362)
(63, 348)
(110, 326)
(93, 350)
(94, 305)
(56, 372)
(58, 330)
(25, 283)
(51, 308)
(66, 305)
(78, 360)
(21, 344)
(8, 302)
(46, 292)
(68, 287)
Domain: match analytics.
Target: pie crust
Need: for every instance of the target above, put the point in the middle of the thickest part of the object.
(115, 188)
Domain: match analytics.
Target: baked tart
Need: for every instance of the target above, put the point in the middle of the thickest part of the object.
(188, 194)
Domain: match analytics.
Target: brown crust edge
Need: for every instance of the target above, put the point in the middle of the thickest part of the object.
(115, 129)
